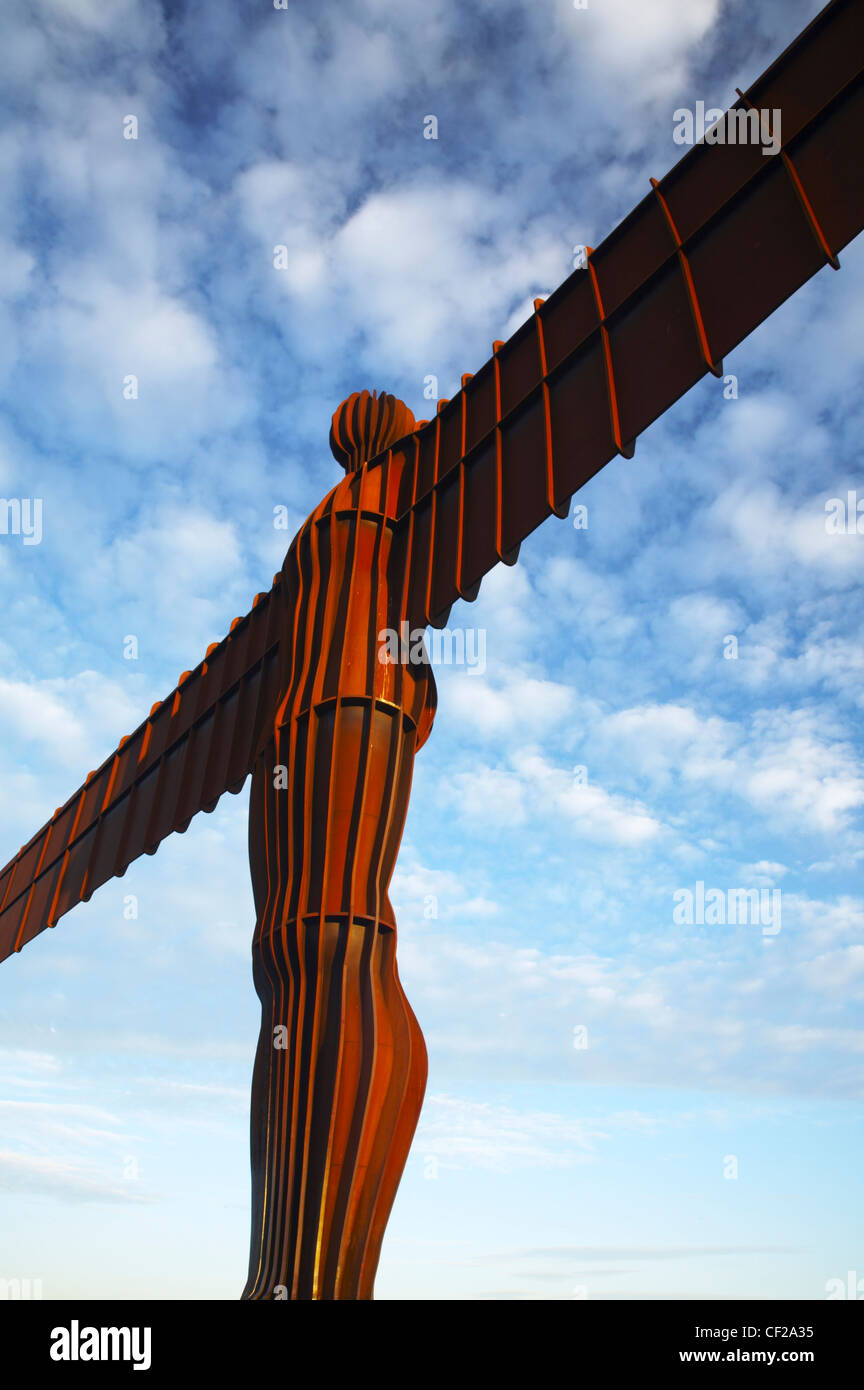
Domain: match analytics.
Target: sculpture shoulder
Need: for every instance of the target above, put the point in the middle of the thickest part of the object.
(336, 499)
(367, 490)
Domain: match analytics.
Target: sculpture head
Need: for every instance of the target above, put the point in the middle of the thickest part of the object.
(365, 424)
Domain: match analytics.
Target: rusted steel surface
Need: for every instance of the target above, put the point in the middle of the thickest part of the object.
(198, 743)
(341, 1064)
(297, 693)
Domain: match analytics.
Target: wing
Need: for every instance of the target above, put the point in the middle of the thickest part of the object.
(199, 742)
(718, 244)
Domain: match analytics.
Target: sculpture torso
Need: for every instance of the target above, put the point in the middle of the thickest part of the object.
(348, 724)
(345, 585)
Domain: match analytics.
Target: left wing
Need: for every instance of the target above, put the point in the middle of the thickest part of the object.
(201, 741)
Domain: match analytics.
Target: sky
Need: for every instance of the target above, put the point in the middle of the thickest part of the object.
(625, 1101)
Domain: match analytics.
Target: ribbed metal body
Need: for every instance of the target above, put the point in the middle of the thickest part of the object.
(340, 1069)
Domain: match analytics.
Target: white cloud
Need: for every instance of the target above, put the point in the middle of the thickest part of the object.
(838, 972)
(535, 788)
(773, 531)
(488, 796)
(512, 703)
(764, 873)
(464, 1134)
(629, 38)
(597, 814)
(94, 15)
(70, 1181)
(783, 762)
(67, 717)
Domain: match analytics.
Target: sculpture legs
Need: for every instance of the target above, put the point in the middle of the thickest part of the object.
(341, 1064)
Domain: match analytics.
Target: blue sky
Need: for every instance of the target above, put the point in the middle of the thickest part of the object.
(532, 900)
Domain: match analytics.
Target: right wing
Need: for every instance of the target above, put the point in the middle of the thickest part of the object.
(716, 247)
(199, 742)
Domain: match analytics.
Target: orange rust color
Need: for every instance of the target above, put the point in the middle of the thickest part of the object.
(340, 1069)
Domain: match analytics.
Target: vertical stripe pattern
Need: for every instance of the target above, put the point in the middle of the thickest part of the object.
(340, 1069)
